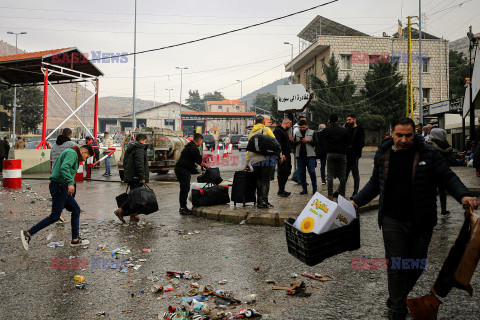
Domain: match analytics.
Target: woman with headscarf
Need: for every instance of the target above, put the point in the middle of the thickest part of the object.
(438, 139)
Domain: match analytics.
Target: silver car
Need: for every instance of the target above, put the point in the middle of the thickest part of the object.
(242, 143)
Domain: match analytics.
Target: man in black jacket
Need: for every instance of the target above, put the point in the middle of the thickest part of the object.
(284, 168)
(406, 174)
(136, 172)
(356, 138)
(185, 165)
(336, 143)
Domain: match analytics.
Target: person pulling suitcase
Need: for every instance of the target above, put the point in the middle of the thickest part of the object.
(185, 165)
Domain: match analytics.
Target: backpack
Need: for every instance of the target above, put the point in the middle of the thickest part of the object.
(264, 145)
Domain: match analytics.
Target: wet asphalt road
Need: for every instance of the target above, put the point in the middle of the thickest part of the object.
(32, 289)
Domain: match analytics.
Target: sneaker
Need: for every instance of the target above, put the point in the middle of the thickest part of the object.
(62, 219)
(119, 214)
(335, 194)
(324, 182)
(262, 205)
(25, 239)
(79, 242)
(269, 205)
(304, 192)
(105, 174)
(109, 174)
(284, 194)
(185, 212)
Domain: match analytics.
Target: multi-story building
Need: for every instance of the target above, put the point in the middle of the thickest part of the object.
(228, 107)
(356, 53)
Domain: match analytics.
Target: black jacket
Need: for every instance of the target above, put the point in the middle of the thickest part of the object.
(336, 139)
(4, 149)
(189, 157)
(430, 170)
(135, 164)
(282, 137)
(356, 138)
(320, 148)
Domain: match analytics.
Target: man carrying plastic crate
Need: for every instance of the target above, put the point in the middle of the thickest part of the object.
(406, 174)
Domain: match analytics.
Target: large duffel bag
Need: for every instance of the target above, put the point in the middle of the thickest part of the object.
(210, 195)
(142, 200)
(244, 187)
(211, 175)
(264, 145)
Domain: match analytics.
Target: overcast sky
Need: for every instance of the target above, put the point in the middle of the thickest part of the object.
(255, 56)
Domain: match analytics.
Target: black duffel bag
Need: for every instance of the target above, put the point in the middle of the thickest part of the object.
(264, 145)
(142, 200)
(211, 175)
(210, 195)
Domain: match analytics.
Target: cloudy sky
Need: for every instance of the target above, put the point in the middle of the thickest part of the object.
(255, 56)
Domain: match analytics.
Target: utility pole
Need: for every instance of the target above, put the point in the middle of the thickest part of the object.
(241, 88)
(134, 119)
(291, 62)
(15, 89)
(420, 60)
(181, 84)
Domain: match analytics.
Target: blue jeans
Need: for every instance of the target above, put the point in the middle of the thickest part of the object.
(60, 200)
(107, 165)
(304, 164)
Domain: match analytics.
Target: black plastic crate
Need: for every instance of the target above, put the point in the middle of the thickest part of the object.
(312, 248)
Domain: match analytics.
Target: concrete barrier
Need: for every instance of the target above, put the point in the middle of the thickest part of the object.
(33, 160)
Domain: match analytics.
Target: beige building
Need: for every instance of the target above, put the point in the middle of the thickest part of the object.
(356, 52)
(228, 125)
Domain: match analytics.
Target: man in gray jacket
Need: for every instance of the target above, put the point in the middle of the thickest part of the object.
(305, 141)
(63, 142)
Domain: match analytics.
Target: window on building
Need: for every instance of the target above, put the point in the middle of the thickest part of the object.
(426, 65)
(373, 60)
(170, 122)
(298, 79)
(426, 95)
(308, 72)
(238, 107)
(346, 60)
(220, 107)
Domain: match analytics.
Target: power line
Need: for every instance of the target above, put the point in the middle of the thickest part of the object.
(225, 33)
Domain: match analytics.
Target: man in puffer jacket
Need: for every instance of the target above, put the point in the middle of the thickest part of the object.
(63, 142)
(406, 174)
(261, 165)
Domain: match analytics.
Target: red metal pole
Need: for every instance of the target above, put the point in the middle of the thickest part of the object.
(43, 143)
(95, 116)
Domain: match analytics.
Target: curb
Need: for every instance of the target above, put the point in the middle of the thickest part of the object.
(254, 216)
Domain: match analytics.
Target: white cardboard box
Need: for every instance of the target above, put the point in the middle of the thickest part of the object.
(321, 215)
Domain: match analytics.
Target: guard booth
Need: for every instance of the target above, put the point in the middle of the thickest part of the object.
(49, 68)
(436, 113)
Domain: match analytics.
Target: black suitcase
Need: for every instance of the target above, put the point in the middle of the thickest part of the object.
(210, 195)
(244, 187)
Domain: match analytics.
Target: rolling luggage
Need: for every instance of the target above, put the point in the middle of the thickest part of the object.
(244, 187)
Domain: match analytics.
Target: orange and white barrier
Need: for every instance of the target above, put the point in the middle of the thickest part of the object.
(230, 148)
(79, 175)
(218, 152)
(12, 173)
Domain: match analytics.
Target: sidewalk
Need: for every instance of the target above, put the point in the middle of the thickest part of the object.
(292, 206)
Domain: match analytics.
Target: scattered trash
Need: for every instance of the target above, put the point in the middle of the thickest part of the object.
(49, 237)
(101, 313)
(223, 282)
(256, 268)
(79, 278)
(56, 244)
(317, 276)
(251, 298)
(190, 299)
(146, 250)
(270, 281)
(169, 288)
(247, 313)
(80, 285)
(156, 288)
(294, 275)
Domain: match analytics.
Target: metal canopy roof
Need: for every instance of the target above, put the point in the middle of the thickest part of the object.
(323, 26)
(25, 69)
(217, 115)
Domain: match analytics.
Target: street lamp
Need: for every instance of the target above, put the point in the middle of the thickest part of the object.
(15, 88)
(181, 84)
(291, 61)
(241, 88)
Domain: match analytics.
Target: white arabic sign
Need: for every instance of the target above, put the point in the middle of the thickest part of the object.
(292, 97)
